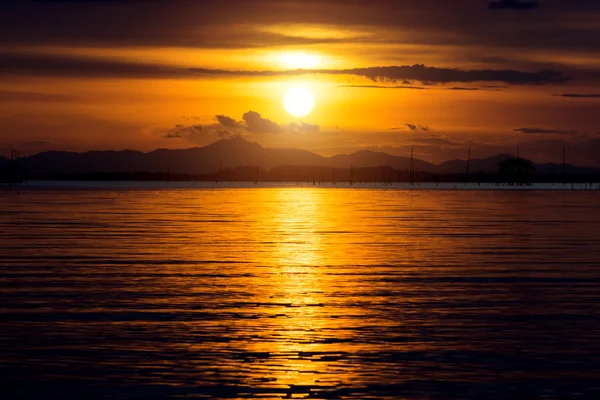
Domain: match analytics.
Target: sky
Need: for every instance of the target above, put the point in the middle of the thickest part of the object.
(434, 75)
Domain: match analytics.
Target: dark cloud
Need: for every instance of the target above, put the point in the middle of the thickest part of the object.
(536, 131)
(567, 26)
(458, 88)
(227, 128)
(579, 96)
(384, 87)
(258, 124)
(228, 122)
(463, 88)
(432, 75)
(415, 128)
(29, 64)
(513, 5)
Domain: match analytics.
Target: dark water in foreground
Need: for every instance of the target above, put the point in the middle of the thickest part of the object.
(299, 293)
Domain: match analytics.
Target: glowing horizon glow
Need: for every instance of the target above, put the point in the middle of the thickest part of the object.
(298, 101)
(295, 60)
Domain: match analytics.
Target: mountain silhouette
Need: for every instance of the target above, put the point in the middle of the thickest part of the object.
(238, 152)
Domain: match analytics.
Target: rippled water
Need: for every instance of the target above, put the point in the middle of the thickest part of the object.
(299, 292)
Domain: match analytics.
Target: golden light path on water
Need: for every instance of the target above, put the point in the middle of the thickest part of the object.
(299, 292)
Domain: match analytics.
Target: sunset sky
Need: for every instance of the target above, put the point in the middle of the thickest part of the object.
(385, 75)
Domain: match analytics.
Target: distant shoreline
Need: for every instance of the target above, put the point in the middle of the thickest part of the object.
(131, 185)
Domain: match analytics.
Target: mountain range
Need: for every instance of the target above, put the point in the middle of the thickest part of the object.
(236, 152)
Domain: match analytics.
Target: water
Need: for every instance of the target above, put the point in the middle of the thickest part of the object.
(299, 293)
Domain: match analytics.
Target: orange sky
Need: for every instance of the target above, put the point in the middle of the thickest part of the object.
(106, 75)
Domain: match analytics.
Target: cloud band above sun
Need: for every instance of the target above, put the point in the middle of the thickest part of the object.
(51, 65)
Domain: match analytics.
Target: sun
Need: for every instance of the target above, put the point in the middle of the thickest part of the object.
(298, 101)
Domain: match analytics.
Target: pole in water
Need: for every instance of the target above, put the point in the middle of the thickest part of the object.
(564, 163)
(412, 150)
(468, 164)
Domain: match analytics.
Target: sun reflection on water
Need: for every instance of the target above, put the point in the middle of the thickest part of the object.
(292, 292)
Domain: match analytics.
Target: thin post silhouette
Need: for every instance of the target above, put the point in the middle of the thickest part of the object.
(257, 170)
(564, 164)
(11, 166)
(468, 165)
(219, 173)
(412, 149)
(24, 167)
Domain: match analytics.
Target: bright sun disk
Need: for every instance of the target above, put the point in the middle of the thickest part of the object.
(298, 101)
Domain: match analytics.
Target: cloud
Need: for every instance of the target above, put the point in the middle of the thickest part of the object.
(384, 87)
(417, 72)
(433, 75)
(222, 133)
(415, 128)
(513, 5)
(536, 131)
(579, 96)
(228, 134)
(463, 88)
(303, 128)
(228, 122)
(190, 132)
(258, 124)
(228, 128)
(54, 65)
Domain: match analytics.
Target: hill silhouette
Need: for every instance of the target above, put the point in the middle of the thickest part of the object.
(229, 154)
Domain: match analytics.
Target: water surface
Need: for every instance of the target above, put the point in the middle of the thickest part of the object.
(299, 292)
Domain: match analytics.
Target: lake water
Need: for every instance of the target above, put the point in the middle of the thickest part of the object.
(287, 292)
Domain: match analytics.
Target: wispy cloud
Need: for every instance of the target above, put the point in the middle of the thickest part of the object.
(416, 128)
(579, 96)
(384, 87)
(536, 131)
(29, 64)
(228, 122)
